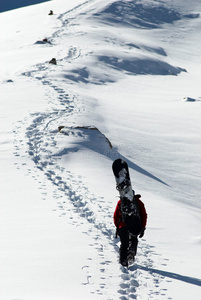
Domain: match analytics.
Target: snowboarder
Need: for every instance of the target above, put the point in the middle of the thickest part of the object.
(124, 234)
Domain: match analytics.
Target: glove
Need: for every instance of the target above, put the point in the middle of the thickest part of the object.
(142, 233)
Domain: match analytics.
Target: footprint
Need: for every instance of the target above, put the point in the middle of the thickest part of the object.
(134, 282)
(124, 285)
(125, 277)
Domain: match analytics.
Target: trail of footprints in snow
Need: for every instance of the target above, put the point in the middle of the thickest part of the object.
(103, 264)
(41, 142)
(39, 148)
(141, 275)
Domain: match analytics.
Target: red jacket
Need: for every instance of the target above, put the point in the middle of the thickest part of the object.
(118, 219)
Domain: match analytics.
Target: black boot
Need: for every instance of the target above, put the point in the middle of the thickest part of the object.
(123, 256)
(124, 237)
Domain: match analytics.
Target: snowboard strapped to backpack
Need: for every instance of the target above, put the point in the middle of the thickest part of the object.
(129, 203)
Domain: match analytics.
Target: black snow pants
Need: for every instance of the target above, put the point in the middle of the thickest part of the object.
(125, 236)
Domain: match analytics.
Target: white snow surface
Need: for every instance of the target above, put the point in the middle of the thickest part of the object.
(126, 84)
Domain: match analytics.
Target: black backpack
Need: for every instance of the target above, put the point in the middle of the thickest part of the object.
(130, 215)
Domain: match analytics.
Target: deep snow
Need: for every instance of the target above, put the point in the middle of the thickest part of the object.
(126, 84)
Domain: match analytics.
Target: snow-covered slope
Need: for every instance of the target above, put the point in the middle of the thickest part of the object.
(126, 84)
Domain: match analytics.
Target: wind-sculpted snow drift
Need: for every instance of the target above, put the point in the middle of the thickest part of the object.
(135, 58)
(139, 15)
(141, 66)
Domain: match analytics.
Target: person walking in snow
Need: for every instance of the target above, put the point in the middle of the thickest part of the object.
(123, 231)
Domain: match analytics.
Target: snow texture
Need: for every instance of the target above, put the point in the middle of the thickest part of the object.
(126, 84)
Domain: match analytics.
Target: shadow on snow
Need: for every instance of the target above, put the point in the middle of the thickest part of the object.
(187, 279)
(141, 66)
(138, 15)
(90, 138)
(131, 65)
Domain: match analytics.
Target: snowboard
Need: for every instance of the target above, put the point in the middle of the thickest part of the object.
(122, 177)
(129, 206)
(123, 185)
